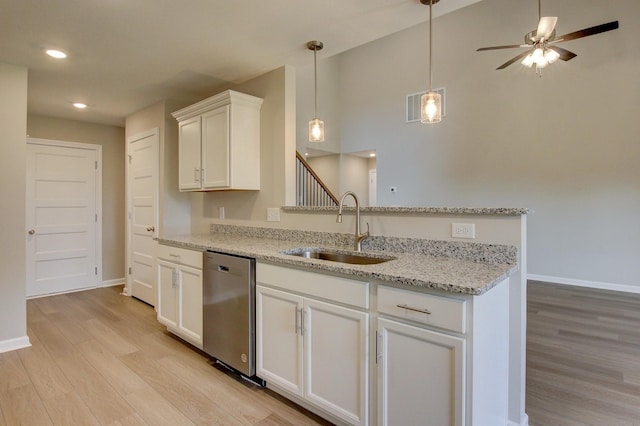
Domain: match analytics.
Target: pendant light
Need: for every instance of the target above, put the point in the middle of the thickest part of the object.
(316, 126)
(430, 102)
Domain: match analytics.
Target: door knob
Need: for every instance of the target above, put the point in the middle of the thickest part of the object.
(151, 228)
(32, 231)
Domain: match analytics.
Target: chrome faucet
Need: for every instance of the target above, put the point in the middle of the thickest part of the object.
(357, 242)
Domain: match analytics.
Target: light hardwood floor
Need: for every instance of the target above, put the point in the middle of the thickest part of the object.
(99, 358)
(583, 356)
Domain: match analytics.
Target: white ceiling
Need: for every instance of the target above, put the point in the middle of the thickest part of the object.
(127, 54)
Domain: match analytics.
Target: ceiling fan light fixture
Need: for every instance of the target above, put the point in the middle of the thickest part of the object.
(527, 61)
(542, 41)
(551, 55)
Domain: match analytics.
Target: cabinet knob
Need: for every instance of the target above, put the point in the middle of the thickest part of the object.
(31, 231)
(151, 228)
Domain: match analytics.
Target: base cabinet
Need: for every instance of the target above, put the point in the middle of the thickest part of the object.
(420, 376)
(278, 339)
(180, 292)
(314, 350)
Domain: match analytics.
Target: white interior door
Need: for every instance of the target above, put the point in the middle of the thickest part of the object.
(373, 187)
(61, 217)
(142, 207)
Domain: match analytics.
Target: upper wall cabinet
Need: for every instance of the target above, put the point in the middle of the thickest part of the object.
(219, 143)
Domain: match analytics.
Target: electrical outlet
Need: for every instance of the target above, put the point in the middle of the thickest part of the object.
(463, 230)
(273, 214)
(221, 212)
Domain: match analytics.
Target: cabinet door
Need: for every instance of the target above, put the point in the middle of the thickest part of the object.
(336, 347)
(278, 339)
(189, 154)
(190, 305)
(421, 376)
(215, 148)
(167, 305)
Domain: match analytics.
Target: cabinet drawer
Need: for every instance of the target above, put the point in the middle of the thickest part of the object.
(337, 289)
(443, 312)
(181, 256)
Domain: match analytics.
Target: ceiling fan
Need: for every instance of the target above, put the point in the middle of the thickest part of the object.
(541, 43)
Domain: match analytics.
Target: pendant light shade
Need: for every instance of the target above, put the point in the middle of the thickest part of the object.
(430, 102)
(316, 126)
(431, 107)
(316, 130)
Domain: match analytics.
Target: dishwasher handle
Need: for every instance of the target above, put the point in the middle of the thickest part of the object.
(222, 268)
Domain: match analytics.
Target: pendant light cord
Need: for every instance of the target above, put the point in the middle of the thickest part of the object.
(430, 43)
(315, 83)
(539, 10)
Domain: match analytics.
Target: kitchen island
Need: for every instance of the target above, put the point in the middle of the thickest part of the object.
(425, 333)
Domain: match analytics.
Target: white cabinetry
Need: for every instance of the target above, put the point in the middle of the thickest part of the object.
(442, 360)
(180, 292)
(219, 143)
(421, 376)
(314, 350)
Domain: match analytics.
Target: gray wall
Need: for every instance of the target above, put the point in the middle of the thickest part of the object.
(13, 127)
(252, 205)
(564, 145)
(174, 206)
(111, 138)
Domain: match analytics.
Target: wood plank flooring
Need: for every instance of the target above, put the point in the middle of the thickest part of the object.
(583, 356)
(99, 358)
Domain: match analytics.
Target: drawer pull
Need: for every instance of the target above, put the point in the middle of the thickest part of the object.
(409, 308)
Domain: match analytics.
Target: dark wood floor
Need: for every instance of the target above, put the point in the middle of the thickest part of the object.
(100, 358)
(583, 356)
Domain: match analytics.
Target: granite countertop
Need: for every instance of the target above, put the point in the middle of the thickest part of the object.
(493, 211)
(447, 272)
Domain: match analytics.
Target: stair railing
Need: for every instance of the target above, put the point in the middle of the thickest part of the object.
(311, 191)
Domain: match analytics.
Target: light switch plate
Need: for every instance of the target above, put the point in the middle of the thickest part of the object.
(463, 230)
(273, 214)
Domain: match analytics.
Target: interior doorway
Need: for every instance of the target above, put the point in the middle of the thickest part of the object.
(63, 216)
(142, 214)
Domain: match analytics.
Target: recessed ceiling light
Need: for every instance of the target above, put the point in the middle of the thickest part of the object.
(58, 54)
(373, 154)
(79, 105)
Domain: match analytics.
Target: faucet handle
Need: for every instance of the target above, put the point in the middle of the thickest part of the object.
(367, 233)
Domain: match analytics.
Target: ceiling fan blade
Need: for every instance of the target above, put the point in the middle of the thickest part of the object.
(512, 60)
(565, 55)
(545, 27)
(508, 46)
(588, 31)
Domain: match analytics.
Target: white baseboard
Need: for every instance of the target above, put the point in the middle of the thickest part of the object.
(13, 344)
(525, 421)
(112, 283)
(627, 288)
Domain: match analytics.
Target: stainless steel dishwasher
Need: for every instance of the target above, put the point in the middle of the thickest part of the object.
(229, 310)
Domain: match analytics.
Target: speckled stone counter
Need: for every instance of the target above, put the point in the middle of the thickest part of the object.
(495, 211)
(458, 267)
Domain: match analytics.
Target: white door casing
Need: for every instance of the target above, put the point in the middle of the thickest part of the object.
(63, 216)
(142, 214)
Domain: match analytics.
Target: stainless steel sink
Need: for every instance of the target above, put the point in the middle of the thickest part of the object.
(341, 257)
